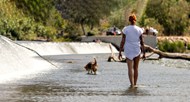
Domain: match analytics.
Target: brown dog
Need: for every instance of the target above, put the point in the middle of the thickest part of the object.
(91, 67)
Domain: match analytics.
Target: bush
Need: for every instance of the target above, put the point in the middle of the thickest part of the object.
(18, 26)
(180, 46)
(188, 46)
(72, 32)
(167, 46)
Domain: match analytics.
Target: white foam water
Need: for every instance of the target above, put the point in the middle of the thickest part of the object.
(52, 48)
(22, 58)
(17, 61)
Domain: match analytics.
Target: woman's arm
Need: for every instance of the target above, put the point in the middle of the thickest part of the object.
(121, 46)
(142, 45)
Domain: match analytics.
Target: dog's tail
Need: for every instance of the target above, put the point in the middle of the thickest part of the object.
(95, 62)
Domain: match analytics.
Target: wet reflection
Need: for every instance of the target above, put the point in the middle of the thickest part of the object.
(69, 91)
(44, 89)
(136, 91)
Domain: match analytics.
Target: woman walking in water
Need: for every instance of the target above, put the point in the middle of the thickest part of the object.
(132, 43)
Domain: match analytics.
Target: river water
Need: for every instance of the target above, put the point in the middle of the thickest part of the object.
(159, 81)
(71, 83)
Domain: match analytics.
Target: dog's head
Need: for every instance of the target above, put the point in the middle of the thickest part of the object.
(95, 64)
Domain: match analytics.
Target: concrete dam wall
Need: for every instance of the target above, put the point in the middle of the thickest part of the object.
(115, 40)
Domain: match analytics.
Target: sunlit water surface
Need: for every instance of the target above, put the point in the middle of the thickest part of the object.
(71, 83)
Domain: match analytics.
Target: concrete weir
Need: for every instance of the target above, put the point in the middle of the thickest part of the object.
(17, 61)
(115, 40)
(21, 58)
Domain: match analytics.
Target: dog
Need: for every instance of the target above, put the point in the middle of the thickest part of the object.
(92, 67)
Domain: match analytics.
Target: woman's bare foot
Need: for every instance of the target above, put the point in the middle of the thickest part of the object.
(132, 86)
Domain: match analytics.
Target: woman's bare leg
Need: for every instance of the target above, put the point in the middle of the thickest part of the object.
(135, 67)
(130, 71)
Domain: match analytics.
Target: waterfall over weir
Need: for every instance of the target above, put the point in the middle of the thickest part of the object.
(22, 57)
(16, 61)
(52, 48)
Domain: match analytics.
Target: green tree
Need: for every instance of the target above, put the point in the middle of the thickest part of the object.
(171, 14)
(39, 9)
(85, 12)
(45, 13)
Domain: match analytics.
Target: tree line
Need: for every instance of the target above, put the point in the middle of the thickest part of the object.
(65, 20)
(172, 15)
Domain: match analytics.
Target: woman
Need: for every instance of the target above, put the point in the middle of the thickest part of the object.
(132, 43)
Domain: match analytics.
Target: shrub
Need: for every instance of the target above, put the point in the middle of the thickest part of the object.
(188, 46)
(18, 26)
(167, 46)
(180, 46)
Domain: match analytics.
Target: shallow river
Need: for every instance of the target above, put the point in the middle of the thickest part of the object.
(71, 83)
